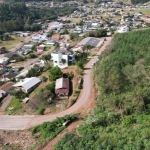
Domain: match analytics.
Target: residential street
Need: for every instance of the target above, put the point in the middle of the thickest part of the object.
(26, 121)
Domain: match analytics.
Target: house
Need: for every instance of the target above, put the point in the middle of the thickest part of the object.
(62, 87)
(55, 37)
(28, 84)
(50, 43)
(2, 49)
(56, 26)
(122, 29)
(6, 87)
(22, 74)
(8, 76)
(40, 48)
(3, 68)
(4, 60)
(27, 46)
(2, 94)
(62, 58)
(39, 37)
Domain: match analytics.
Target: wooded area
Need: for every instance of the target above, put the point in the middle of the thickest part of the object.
(121, 119)
(138, 1)
(16, 16)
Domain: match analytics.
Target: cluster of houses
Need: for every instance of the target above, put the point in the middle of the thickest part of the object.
(27, 85)
(128, 18)
(64, 55)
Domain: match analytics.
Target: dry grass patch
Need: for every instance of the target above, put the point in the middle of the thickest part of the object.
(75, 20)
(144, 11)
(12, 43)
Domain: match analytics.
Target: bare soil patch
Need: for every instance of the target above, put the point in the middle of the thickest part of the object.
(12, 140)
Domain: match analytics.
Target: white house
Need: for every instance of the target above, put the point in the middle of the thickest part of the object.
(39, 37)
(62, 58)
(122, 29)
(4, 60)
(28, 84)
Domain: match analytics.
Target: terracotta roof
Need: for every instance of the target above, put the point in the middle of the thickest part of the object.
(7, 86)
(57, 37)
(40, 47)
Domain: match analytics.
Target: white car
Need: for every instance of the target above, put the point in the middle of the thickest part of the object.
(93, 63)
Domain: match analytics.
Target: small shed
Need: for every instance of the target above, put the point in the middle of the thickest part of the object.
(25, 100)
(62, 87)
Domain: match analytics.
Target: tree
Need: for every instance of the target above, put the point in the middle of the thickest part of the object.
(55, 73)
(63, 61)
(45, 96)
(46, 58)
(80, 65)
(87, 47)
(35, 71)
(73, 36)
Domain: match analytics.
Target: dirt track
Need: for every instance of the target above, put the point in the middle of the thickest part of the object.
(26, 121)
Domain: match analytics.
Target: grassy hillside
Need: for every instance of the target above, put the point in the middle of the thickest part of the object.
(121, 119)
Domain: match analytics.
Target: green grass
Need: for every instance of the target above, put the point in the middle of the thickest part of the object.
(11, 43)
(75, 20)
(144, 11)
(16, 104)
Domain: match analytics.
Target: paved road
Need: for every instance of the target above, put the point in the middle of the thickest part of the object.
(25, 122)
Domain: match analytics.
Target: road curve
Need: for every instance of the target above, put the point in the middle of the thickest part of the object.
(8, 122)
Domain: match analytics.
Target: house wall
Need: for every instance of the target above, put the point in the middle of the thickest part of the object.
(32, 88)
(57, 57)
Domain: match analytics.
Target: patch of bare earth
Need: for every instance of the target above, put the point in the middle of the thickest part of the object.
(21, 140)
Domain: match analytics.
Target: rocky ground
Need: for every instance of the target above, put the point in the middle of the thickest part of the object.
(16, 140)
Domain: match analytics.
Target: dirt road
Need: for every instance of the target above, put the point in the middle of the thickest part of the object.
(27, 121)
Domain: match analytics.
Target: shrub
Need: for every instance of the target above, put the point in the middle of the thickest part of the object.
(72, 101)
(79, 86)
(41, 111)
(20, 68)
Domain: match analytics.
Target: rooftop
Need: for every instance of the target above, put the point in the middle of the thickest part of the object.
(89, 41)
(62, 83)
(7, 86)
(27, 83)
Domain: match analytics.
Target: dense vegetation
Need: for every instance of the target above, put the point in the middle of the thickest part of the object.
(138, 1)
(121, 119)
(16, 16)
(34, 0)
(48, 130)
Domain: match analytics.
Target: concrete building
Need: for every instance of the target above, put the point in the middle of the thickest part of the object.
(62, 58)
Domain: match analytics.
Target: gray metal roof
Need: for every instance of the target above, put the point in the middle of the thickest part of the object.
(27, 83)
(89, 41)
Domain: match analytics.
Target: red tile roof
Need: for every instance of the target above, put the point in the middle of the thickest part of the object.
(64, 86)
(55, 37)
(7, 86)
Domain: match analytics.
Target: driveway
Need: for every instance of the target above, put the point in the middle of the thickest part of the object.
(27, 121)
(4, 104)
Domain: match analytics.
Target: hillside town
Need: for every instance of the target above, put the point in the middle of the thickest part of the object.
(43, 72)
(60, 43)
